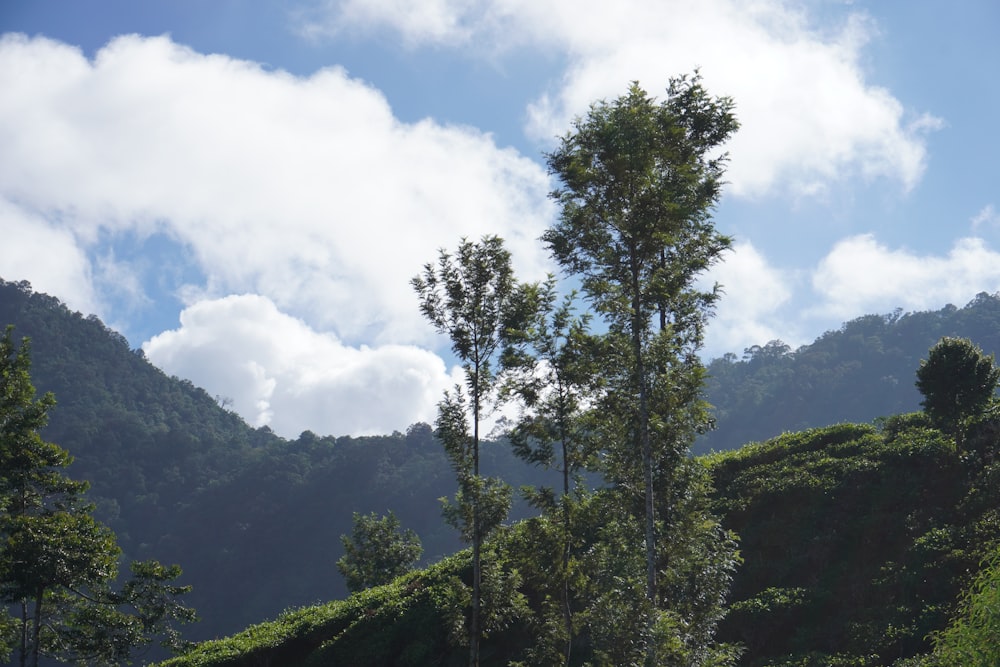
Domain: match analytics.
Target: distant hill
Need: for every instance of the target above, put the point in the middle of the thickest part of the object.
(862, 371)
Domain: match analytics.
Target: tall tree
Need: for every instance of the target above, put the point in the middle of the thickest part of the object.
(472, 297)
(57, 563)
(957, 380)
(638, 181)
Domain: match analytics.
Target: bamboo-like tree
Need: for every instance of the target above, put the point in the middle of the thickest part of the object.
(638, 180)
(473, 298)
(552, 373)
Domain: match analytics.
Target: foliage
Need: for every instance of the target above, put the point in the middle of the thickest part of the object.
(637, 182)
(420, 618)
(377, 551)
(415, 620)
(855, 538)
(970, 640)
(57, 563)
(180, 479)
(553, 373)
(957, 381)
(473, 298)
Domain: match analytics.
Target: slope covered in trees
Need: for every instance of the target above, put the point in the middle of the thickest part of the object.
(862, 371)
(254, 520)
(229, 508)
(857, 543)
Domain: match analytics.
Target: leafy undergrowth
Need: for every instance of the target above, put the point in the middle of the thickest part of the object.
(856, 539)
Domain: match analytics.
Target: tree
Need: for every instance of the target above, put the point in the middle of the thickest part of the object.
(552, 373)
(472, 297)
(957, 381)
(638, 181)
(377, 551)
(57, 563)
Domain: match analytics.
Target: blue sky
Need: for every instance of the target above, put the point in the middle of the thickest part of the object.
(245, 188)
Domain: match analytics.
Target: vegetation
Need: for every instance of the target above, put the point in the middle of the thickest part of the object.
(859, 372)
(957, 381)
(894, 503)
(473, 298)
(970, 640)
(638, 180)
(377, 551)
(857, 541)
(57, 563)
(551, 372)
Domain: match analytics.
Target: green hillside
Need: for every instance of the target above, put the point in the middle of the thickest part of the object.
(182, 480)
(856, 541)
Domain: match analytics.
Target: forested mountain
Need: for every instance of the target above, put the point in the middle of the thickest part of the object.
(255, 520)
(862, 371)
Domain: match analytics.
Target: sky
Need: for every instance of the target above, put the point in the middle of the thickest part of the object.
(244, 189)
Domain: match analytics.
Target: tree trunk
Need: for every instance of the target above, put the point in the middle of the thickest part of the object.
(24, 632)
(567, 537)
(476, 534)
(36, 628)
(645, 446)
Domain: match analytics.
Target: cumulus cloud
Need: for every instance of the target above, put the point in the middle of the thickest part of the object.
(46, 255)
(810, 118)
(861, 275)
(753, 294)
(306, 190)
(279, 372)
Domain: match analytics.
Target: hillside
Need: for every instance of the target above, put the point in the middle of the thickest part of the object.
(862, 371)
(856, 542)
(856, 539)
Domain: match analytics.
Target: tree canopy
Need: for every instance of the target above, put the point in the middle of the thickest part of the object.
(957, 380)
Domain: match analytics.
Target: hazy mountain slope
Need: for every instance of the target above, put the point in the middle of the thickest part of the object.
(255, 520)
(864, 370)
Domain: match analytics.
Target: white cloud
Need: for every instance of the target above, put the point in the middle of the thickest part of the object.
(280, 372)
(306, 190)
(860, 275)
(753, 293)
(426, 20)
(987, 216)
(46, 255)
(810, 118)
